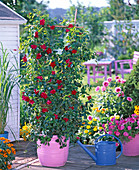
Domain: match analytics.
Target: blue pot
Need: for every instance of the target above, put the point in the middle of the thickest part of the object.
(5, 135)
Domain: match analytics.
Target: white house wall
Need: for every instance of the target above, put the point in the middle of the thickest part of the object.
(9, 36)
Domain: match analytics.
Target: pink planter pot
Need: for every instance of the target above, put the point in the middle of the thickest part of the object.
(52, 156)
(131, 148)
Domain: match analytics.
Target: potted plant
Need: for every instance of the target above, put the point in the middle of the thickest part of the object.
(52, 60)
(127, 130)
(7, 153)
(8, 80)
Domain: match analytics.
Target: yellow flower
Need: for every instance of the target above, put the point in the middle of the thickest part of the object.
(117, 117)
(86, 131)
(95, 128)
(94, 119)
(90, 133)
(102, 112)
(88, 127)
(90, 122)
(100, 128)
(106, 108)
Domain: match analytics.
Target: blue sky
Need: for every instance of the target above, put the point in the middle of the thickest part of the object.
(66, 3)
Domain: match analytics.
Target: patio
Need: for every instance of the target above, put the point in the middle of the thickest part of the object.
(26, 158)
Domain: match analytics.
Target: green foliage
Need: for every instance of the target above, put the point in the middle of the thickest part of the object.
(91, 20)
(132, 89)
(52, 76)
(8, 80)
(124, 42)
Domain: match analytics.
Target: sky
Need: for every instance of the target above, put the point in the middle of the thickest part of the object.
(66, 3)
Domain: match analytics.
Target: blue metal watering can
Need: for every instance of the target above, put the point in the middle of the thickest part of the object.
(105, 151)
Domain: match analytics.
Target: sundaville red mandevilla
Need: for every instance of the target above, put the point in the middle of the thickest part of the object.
(52, 79)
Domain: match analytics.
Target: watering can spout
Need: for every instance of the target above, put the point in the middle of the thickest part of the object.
(90, 154)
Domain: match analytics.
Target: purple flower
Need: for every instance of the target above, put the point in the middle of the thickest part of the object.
(109, 79)
(97, 88)
(129, 127)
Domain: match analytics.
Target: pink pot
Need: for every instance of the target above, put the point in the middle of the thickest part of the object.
(131, 148)
(52, 156)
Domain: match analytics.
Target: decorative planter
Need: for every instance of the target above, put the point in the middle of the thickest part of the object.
(52, 156)
(131, 148)
(5, 135)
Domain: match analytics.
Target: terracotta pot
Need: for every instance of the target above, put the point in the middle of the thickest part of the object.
(131, 148)
(52, 156)
(5, 135)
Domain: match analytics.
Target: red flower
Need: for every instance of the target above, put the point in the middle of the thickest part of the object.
(36, 92)
(67, 61)
(31, 101)
(59, 87)
(38, 56)
(42, 22)
(44, 110)
(53, 91)
(80, 33)
(49, 51)
(43, 46)
(40, 77)
(77, 137)
(53, 72)
(70, 26)
(25, 98)
(48, 102)
(69, 65)
(56, 116)
(59, 81)
(53, 64)
(33, 46)
(89, 97)
(66, 48)
(72, 107)
(74, 51)
(37, 117)
(74, 92)
(24, 58)
(36, 35)
(67, 30)
(65, 119)
(52, 27)
(50, 80)
(43, 95)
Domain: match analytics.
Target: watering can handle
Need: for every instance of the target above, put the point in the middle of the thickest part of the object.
(115, 138)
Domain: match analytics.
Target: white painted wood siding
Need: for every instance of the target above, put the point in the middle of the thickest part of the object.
(9, 36)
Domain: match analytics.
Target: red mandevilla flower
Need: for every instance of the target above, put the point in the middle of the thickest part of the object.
(65, 119)
(59, 87)
(36, 35)
(48, 102)
(36, 92)
(89, 97)
(43, 95)
(72, 107)
(25, 98)
(53, 91)
(42, 21)
(74, 92)
(74, 51)
(31, 101)
(70, 26)
(49, 51)
(38, 56)
(67, 30)
(53, 64)
(40, 77)
(52, 27)
(24, 58)
(38, 117)
(67, 61)
(69, 65)
(59, 81)
(56, 116)
(43, 46)
(66, 48)
(53, 72)
(44, 110)
(33, 46)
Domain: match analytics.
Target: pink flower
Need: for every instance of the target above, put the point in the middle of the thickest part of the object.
(129, 99)
(97, 88)
(118, 80)
(53, 91)
(117, 89)
(117, 144)
(123, 81)
(89, 118)
(43, 95)
(117, 133)
(117, 77)
(118, 95)
(42, 22)
(103, 88)
(77, 137)
(105, 83)
(129, 127)
(56, 116)
(109, 79)
(129, 137)
(125, 134)
(110, 132)
(49, 102)
(122, 93)
(67, 30)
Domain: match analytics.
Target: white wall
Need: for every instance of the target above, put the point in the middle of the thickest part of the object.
(9, 36)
